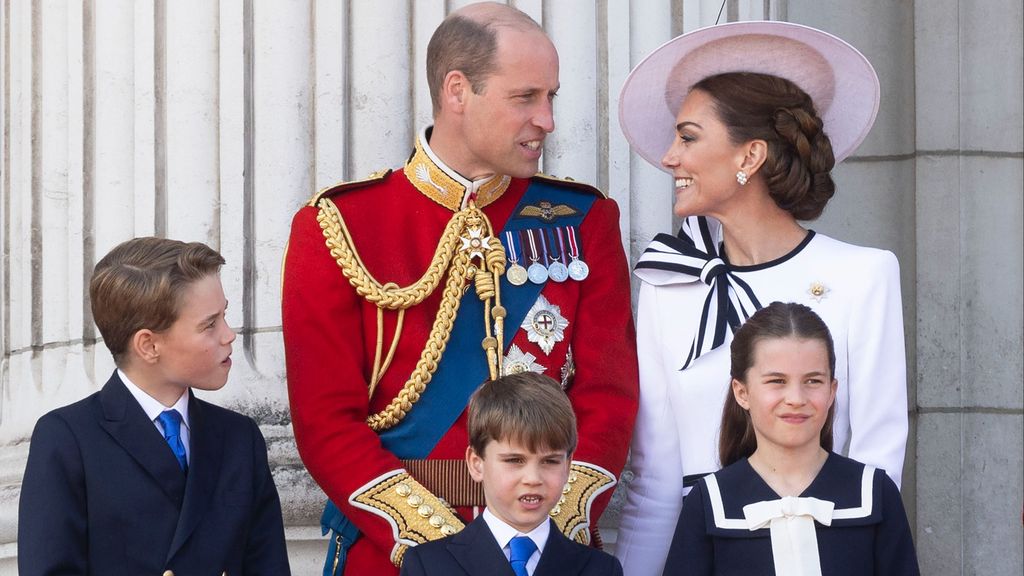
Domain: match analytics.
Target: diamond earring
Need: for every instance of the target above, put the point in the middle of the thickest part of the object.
(742, 177)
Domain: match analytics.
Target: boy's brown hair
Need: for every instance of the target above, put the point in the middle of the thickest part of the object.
(139, 285)
(527, 408)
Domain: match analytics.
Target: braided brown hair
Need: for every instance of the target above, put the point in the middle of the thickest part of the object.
(763, 107)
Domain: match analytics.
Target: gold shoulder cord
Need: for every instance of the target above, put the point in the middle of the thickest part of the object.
(468, 252)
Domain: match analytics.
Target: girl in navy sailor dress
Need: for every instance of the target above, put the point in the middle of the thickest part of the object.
(785, 504)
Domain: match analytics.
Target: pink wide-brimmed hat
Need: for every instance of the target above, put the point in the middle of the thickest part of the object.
(839, 79)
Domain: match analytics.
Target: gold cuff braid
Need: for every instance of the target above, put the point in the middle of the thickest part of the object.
(571, 514)
(416, 515)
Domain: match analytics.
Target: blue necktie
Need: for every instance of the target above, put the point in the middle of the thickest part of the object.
(520, 549)
(171, 422)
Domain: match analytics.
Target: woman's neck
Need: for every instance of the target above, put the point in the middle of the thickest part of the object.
(759, 232)
(788, 472)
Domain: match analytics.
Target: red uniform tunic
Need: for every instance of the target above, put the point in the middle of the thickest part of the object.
(331, 337)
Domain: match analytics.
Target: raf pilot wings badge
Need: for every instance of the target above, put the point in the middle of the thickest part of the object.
(546, 211)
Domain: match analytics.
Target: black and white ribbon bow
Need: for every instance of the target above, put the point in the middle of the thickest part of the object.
(694, 255)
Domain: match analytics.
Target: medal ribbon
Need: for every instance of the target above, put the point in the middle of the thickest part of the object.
(574, 249)
(534, 254)
(554, 257)
(543, 246)
(510, 240)
(561, 245)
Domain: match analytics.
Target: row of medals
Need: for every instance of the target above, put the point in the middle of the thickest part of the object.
(538, 273)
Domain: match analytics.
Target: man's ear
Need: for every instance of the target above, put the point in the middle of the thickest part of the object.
(454, 91)
(144, 345)
(740, 393)
(475, 463)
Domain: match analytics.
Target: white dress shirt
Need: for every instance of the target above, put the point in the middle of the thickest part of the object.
(153, 408)
(504, 534)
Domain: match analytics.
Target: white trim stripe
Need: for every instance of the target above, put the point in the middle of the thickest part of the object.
(718, 509)
(862, 511)
(866, 498)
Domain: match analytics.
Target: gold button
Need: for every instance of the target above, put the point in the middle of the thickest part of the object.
(436, 521)
(403, 489)
(556, 510)
(415, 500)
(572, 478)
(168, 573)
(448, 530)
(426, 510)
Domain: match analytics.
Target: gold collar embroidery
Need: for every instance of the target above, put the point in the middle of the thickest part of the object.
(442, 185)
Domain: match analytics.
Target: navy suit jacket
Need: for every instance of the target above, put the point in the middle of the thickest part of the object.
(475, 552)
(103, 494)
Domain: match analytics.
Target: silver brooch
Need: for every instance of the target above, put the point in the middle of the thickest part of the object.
(517, 362)
(568, 369)
(544, 324)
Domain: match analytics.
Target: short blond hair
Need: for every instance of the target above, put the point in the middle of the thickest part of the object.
(139, 285)
(528, 408)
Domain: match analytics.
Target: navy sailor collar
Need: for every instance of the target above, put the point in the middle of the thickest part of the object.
(851, 486)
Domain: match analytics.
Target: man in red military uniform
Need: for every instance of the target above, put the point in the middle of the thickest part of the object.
(404, 292)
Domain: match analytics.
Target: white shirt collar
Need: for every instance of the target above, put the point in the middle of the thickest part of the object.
(151, 406)
(504, 533)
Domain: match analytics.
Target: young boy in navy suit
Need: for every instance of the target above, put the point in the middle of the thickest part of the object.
(522, 433)
(142, 477)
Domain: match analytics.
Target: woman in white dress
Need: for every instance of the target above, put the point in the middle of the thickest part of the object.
(750, 118)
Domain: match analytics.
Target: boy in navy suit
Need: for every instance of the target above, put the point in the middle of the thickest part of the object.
(522, 433)
(142, 477)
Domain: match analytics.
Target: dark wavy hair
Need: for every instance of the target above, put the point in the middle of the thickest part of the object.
(764, 107)
(777, 320)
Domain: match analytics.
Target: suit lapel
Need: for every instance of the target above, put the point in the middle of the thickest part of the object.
(128, 425)
(476, 550)
(561, 557)
(207, 447)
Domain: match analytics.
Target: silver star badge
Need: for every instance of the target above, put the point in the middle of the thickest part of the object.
(544, 324)
(517, 362)
(476, 243)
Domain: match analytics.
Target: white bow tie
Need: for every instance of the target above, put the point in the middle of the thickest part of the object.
(791, 522)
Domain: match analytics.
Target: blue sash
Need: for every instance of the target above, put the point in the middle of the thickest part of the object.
(463, 367)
